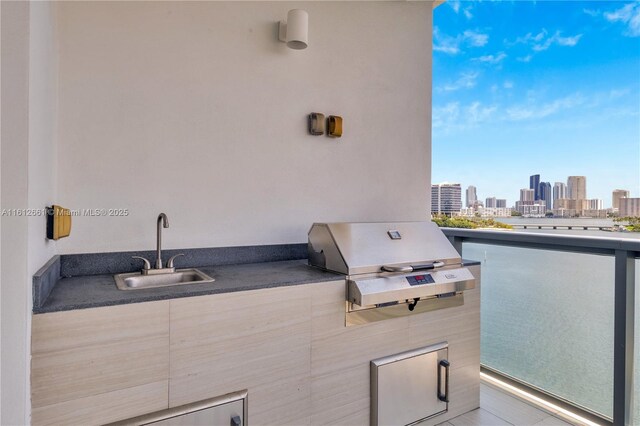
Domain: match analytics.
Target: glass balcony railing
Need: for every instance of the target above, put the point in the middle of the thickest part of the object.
(557, 315)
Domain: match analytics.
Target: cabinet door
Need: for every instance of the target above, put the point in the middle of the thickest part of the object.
(229, 414)
(409, 387)
(256, 340)
(93, 366)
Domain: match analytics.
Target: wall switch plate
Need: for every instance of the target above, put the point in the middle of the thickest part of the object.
(316, 123)
(334, 124)
(58, 222)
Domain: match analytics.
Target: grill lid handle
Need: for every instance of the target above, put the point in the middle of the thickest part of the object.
(412, 268)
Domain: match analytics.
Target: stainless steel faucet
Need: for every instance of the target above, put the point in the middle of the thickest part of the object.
(162, 219)
(163, 222)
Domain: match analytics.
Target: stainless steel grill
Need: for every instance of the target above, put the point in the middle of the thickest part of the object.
(392, 269)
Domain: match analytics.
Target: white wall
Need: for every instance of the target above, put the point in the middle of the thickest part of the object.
(29, 102)
(196, 109)
(43, 79)
(15, 137)
(42, 161)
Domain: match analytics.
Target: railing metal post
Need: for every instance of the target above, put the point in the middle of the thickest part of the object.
(623, 338)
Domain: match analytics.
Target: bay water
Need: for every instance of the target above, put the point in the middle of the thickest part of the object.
(548, 316)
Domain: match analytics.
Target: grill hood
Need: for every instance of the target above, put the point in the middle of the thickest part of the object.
(362, 248)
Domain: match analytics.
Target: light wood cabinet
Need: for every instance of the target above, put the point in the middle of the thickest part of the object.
(257, 340)
(98, 365)
(288, 346)
(340, 356)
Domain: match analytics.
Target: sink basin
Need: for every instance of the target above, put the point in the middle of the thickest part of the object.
(137, 281)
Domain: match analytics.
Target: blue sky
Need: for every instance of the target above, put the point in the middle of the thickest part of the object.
(546, 87)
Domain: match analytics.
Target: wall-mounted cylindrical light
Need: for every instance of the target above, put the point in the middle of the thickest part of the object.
(295, 31)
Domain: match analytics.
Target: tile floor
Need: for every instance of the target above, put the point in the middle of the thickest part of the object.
(498, 408)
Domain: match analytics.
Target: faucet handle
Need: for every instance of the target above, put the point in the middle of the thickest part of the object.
(147, 264)
(170, 261)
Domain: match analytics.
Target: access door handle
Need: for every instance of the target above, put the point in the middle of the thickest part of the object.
(443, 364)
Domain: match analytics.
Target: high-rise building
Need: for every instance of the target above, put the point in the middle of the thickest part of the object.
(559, 192)
(446, 198)
(526, 199)
(531, 210)
(501, 203)
(534, 183)
(629, 207)
(616, 195)
(545, 194)
(527, 195)
(577, 187)
(594, 204)
(471, 196)
(491, 202)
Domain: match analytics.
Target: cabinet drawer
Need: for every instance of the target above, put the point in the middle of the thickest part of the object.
(229, 414)
(225, 410)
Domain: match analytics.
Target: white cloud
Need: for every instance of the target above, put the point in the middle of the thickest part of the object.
(530, 111)
(591, 12)
(475, 39)
(628, 14)
(454, 116)
(467, 12)
(455, 5)
(508, 84)
(491, 59)
(477, 113)
(452, 45)
(618, 93)
(446, 116)
(542, 41)
(444, 43)
(446, 48)
(465, 81)
(527, 38)
(568, 41)
(557, 39)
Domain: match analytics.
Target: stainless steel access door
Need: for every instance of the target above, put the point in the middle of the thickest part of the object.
(410, 387)
(229, 414)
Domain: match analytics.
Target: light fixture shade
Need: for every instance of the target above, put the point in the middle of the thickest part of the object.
(297, 29)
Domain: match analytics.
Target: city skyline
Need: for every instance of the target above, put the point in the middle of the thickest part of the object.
(539, 200)
(514, 90)
(479, 195)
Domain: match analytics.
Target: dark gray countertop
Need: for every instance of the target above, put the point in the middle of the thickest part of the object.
(93, 291)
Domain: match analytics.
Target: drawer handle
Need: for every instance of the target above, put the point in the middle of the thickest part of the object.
(444, 397)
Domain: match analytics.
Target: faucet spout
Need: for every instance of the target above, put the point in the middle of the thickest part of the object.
(163, 222)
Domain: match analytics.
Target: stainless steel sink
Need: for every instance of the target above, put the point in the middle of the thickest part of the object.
(137, 281)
